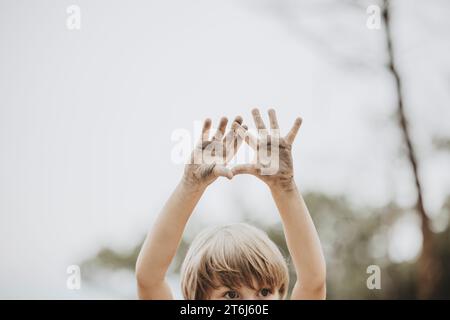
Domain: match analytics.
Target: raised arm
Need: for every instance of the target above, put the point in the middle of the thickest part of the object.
(208, 161)
(301, 235)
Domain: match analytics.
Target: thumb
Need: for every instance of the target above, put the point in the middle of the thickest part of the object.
(222, 171)
(245, 169)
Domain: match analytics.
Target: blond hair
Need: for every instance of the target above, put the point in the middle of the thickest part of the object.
(232, 256)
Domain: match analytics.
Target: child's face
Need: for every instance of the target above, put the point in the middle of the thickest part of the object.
(243, 293)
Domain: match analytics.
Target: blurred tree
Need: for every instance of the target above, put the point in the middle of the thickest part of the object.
(352, 238)
(429, 267)
(291, 13)
(441, 143)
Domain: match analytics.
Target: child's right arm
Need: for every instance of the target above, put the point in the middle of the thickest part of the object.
(162, 241)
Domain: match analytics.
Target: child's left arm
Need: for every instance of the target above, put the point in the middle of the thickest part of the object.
(303, 243)
(301, 235)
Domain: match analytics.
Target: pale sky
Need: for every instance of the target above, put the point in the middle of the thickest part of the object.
(86, 116)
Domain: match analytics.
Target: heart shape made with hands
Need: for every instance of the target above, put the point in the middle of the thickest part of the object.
(273, 159)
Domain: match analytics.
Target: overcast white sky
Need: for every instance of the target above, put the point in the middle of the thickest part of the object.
(86, 116)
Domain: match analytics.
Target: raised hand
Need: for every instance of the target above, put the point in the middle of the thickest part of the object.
(210, 156)
(208, 161)
(273, 160)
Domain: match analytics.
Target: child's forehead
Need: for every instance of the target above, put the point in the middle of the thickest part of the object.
(250, 284)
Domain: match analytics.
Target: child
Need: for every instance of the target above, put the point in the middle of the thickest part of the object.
(237, 261)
